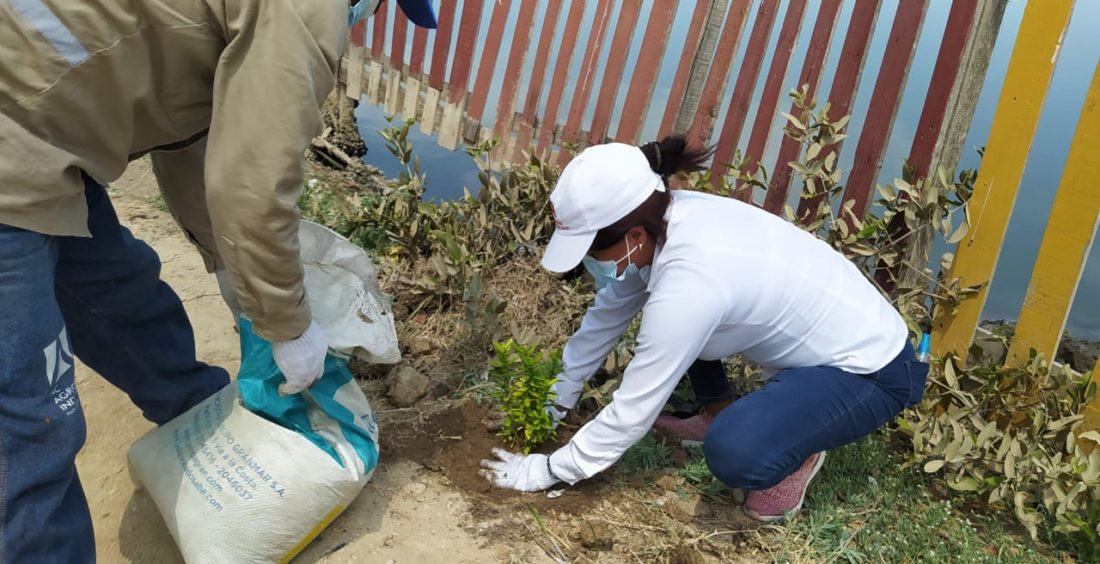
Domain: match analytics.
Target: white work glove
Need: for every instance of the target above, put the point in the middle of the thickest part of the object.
(556, 412)
(301, 360)
(530, 473)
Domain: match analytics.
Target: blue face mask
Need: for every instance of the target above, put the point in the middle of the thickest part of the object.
(606, 272)
(361, 10)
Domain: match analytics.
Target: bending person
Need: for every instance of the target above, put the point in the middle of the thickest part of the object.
(714, 277)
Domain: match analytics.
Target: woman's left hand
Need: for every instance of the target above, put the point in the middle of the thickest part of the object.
(530, 473)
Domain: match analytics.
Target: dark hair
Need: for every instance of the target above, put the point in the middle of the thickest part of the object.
(667, 157)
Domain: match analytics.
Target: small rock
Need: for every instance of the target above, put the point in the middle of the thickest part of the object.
(595, 536)
(669, 482)
(682, 511)
(440, 389)
(637, 481)
(416, 488)
(405, 385)
(686, 555)
(419, 346)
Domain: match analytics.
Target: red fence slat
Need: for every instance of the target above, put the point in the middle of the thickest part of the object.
(400, 34)
(955, 39)
(561, 74)
(465, 44)
(587, 77)
(514, 71)
(702, 127)
(487, 65)
(638, 96)
(442, 46)
(742, 90)
(378, 36)
(811, 73)
(884, 102)
(773, 85)
(616, 63)
(852, 56)
(420, 45)
(683, 71)
(359, 33)
(526, 128)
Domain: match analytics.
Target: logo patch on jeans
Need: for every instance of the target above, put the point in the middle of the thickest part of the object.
(59, 358)
(59, 361)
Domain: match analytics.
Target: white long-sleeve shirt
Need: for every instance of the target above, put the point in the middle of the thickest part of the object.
(730, 278)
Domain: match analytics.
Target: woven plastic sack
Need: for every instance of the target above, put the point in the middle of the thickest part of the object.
(345, 298)
(252, 476)
(237, 486)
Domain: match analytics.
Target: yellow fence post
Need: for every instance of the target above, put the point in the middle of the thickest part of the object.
(1017, 115)
(1066, 242)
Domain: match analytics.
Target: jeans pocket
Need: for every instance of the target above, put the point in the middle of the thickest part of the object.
(918, 375)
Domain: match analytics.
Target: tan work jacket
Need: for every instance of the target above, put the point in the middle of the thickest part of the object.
(225, 94)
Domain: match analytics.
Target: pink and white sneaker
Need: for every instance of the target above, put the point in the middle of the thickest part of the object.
(689, 432)
(776, 502)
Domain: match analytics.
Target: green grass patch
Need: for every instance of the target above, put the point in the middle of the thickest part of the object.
(646, 457)
(696, 474)
(864, 507)
(157, 200)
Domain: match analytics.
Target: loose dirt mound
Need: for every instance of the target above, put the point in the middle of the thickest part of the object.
(455, 441)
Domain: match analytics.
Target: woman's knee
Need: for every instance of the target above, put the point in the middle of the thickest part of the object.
(740, 461)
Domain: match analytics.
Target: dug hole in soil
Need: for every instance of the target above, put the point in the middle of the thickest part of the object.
(454, 442)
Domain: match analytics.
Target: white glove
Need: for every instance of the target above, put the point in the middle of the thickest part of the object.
(567, 392)
(301, 360)
(530, 473)
(556, 412)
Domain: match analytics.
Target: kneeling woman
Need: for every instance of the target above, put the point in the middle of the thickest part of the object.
(714, 277)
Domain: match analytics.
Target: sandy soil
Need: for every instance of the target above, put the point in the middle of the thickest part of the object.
(405, 514)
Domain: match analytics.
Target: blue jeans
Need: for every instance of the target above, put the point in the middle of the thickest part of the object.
(101, 300)
(766, 435)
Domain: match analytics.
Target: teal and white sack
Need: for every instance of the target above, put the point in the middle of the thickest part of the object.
(252, 476)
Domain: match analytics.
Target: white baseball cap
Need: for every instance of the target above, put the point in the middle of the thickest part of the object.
(597, 188)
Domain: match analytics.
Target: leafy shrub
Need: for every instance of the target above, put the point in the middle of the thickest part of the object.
(481, 311)
(520, 378)
(447, 243)
(1011, 436)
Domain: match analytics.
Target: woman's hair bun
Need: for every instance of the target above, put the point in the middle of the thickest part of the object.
(672, 155)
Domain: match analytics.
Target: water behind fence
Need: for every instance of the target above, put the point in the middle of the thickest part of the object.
(542, 74)
(587, 72)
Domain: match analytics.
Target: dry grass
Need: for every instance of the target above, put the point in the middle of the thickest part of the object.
(541, 309)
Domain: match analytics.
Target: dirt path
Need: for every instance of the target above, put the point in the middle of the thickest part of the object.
(405, 514)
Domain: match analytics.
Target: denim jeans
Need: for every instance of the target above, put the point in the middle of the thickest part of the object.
(101, 300)
(766, 435)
